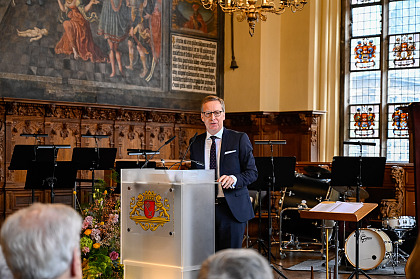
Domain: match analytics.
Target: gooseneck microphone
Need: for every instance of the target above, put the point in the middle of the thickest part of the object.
(188, 148)
(157, 151)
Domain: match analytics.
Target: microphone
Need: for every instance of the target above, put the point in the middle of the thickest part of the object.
(168, 141)
(157, 151)
(192, 161)
(188, 148)
(359, 143)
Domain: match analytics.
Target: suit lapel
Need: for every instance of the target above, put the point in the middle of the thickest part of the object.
(223, 148)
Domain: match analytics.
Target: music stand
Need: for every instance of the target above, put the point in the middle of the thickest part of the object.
(42, 175)
(346, 171)
(119, 165)
(94, 158)
(26, 157)
(357, 171)
(282, 168)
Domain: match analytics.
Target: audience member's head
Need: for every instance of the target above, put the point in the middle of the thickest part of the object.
(42, 241)
(236, 264)
(4, 269)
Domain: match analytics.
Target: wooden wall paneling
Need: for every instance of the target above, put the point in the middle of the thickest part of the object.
(299, 129)
(129, 135)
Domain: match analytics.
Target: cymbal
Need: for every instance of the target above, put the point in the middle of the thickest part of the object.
(317, 172)
(350, 191)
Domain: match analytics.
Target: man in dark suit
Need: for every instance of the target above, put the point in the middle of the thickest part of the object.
(235, 169)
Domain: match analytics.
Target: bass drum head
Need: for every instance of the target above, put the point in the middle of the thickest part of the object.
(375, 248)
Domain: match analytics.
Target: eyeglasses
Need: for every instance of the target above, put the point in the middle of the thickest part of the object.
(216, 113)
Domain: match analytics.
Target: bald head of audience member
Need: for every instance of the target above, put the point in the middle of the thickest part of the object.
(236, 264)
(42, 241)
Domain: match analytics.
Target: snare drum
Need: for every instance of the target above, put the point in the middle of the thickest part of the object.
(399, 223)
(375, 248)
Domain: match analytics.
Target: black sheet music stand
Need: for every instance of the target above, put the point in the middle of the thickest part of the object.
(25, 156)
(94, 158)
(274, 173)
(119, 165)
(345, 171)
(44, 174)
(357, 171)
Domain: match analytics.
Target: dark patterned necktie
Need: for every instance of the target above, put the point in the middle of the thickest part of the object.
(213, 158)
(213, 161)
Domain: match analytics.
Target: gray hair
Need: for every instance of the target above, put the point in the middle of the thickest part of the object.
(39, 241)
(211, 98)
(236, 264)
(4, 269)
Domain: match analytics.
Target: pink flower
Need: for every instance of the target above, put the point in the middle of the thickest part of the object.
(85, 250)
(96, 234)
(113, 255)
(113, 218)
(87, 222)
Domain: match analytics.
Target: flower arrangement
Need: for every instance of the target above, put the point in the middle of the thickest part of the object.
(100, 236)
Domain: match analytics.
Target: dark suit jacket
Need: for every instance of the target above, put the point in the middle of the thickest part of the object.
(236, 159)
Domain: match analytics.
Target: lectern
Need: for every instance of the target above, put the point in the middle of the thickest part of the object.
(340, 211)
(167, 222)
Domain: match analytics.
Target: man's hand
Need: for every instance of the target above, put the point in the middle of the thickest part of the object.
(227, 181)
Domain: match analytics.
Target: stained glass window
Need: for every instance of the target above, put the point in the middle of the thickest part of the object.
(382, 84)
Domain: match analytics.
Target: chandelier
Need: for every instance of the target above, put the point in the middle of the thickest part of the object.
(250, 10)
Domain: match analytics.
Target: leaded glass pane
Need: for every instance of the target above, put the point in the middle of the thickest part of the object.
(404, 17)
(365, 87)
(403, 86)
(366, 54)
(366, 21)
(398, 150)
(372, 151)
(397, 121)
(402, 51)
(364, 121)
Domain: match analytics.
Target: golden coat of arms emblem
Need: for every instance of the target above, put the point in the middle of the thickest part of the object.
(149, 210)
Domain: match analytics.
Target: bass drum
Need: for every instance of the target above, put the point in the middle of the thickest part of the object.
(375, 248)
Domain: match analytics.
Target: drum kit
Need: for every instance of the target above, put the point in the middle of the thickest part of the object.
(378, 247)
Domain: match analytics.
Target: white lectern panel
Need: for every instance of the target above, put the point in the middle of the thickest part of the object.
(167, 222)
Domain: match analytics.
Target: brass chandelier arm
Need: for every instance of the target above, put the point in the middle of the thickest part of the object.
(254, 10)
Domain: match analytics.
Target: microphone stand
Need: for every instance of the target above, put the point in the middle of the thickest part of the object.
(95, 165)
(188, 148)
(359, 185)
(157, 151)
(271, 183)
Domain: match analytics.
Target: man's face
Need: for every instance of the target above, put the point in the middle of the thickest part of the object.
(213, 124)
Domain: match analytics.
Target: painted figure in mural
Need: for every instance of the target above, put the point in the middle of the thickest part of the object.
(29, 2)
(196, 20)
(145, 35)
(77, 38)
(156, 35)
(139, 35)
(114, 25)
(35, 34)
